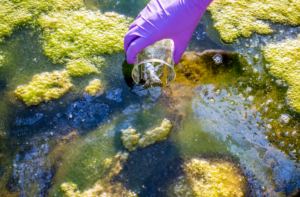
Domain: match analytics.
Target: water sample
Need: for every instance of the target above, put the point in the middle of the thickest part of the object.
(154, 66)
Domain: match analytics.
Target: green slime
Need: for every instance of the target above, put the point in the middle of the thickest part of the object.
(44, 87)
(82, 34)
(16, 13)
(284, 59)
(241, 18)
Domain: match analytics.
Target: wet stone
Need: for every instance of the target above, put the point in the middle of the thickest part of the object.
(87, 115)
(28, 121)
(114, 95)
(33, 173)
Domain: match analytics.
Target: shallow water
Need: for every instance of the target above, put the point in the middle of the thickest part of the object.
(234, 113)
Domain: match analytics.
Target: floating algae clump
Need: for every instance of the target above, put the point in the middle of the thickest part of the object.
(44, 87)
(82, 34)
(104, 187)
(157, 134)
(203, 178)
(284, 59)
(94, 87)
(15, 13)
(240, 18)
(130, 138)
(78, 68)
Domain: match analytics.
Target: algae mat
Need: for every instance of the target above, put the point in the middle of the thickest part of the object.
(232, 131)
(236, 18)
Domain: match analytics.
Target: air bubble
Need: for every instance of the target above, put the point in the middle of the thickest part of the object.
(251, 98)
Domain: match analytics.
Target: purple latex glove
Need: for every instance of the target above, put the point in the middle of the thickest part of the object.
(164, 19)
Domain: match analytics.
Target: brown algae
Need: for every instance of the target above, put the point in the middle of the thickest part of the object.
(241, 18)
(16, 13)
(157, 134)
(44, 87)
(196, 68)
(130, 138)
(94, 87)
(80, 67)
(284, 59)
(204, 178)
(82, 34)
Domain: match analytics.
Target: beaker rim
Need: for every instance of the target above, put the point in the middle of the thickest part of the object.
(150, 61)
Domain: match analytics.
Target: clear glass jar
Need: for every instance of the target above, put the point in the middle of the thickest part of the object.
(154, 66)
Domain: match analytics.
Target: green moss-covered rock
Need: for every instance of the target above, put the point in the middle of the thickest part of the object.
(203, 178)
(130, 138)
(157, 134)
(82, 34)
(284, 59)
(15, 13)
(78, 68)
(44, 87)
(94, 87)
(240, 18)
(104, 187)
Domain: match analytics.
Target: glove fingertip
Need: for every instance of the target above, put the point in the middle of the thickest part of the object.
(177, 59)
(130, 60)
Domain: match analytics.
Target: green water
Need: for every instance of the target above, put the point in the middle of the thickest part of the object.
(233, 113)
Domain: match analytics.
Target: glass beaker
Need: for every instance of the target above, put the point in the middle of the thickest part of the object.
(154, 66)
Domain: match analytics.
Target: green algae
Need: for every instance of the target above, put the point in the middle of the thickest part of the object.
(130, 138)
(14, 14)
(241, 18)
(44, 87)
(80, 67)
(82, 34)
(83, 161)
(1, 60)
(103, 187)
(210, 178)
(94, 87)
(284, 59)
(156, 135)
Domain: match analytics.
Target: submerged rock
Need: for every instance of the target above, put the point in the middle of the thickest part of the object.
(284, 59)
(78, 68)
(241, 18)
(29, 121)
(87, 115)
(104, 187)
(44, 87)
(130, 138)
(204, 178)
(156, 135)
(94, 87)
(114, 95)
(33, 173)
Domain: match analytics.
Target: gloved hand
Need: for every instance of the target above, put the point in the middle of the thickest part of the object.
(164, 19)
